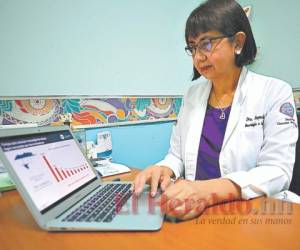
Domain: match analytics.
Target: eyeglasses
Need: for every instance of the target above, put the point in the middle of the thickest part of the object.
(205, 46)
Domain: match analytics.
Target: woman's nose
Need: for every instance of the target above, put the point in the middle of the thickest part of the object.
(199, 56)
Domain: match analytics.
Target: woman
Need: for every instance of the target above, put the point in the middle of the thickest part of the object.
(236, 132)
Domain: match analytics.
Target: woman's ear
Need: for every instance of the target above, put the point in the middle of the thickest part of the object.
(240, 39)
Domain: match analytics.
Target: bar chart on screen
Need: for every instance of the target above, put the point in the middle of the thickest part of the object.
(61, 174)
(51, 170)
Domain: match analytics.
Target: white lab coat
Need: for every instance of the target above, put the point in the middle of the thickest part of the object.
(258, 151)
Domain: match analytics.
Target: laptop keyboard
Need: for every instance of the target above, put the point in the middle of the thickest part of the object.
(103, 205)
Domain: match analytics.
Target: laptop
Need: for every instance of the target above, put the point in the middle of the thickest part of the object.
(63, 191)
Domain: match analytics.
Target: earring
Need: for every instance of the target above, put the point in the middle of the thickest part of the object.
(238, 52)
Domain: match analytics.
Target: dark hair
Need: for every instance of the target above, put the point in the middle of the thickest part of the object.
(227, 17)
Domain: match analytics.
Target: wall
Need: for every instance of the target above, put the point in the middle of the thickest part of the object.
(277, 32)
(95, 47)
(138, 145)
(51, 47)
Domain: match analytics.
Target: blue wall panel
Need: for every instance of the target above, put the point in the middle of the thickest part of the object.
(138, 145)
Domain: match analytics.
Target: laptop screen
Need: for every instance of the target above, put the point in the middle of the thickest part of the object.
(50, 165)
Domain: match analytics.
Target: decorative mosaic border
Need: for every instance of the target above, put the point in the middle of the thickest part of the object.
(93, 111)
(297, 99)
(88, 111)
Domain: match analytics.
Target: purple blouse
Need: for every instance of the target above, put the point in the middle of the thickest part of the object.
(211, 143)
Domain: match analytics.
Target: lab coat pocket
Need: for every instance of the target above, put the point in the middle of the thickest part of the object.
(251, 139)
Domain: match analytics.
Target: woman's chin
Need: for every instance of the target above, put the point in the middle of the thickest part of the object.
(208, 76)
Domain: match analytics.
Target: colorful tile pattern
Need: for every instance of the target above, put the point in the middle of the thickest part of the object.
(297, 100)
(94, 111)
(89, 111)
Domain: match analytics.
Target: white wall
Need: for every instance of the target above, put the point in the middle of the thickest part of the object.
(123, 47)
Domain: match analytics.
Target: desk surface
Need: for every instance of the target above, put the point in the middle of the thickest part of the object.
(261, 223)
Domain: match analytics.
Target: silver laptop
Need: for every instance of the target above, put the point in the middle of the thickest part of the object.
(62, 190)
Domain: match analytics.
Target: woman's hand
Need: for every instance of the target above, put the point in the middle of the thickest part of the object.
(184, 200)
(188, 199)
(153, 175)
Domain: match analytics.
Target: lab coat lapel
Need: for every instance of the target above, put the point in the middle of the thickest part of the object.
(238, 100)
(195, 122)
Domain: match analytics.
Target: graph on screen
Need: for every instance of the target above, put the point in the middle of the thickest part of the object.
(51, 170)
(61, 174)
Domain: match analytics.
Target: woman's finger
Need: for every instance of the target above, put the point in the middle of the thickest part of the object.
(165, 182)
(139, 183)
(155, 177)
